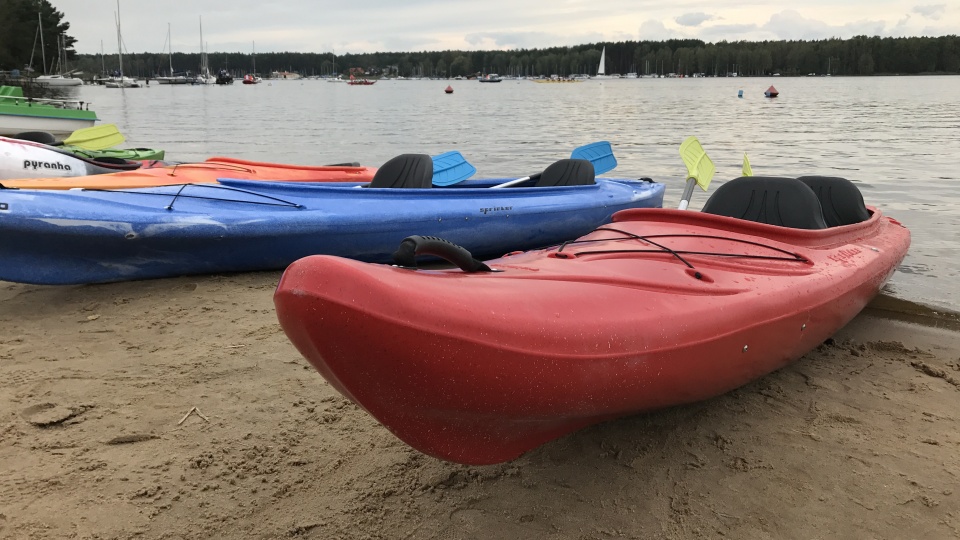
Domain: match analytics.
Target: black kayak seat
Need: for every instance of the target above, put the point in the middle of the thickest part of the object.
(568, 172)
(786, 202)
(405, 171)
(41, 137)
(840, 199)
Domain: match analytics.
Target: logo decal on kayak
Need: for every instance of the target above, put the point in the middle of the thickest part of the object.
(30, 164)
(496, 209)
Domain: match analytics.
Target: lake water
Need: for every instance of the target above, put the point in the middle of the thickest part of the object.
(897, 137)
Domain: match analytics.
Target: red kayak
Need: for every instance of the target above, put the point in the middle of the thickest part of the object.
(661, 307)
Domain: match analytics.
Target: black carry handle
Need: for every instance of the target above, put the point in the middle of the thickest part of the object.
(411, 246)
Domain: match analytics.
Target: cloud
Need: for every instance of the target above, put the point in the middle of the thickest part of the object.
(790, 25)
(731, 32)
(693, 19)
(934, 11)
(655, 31)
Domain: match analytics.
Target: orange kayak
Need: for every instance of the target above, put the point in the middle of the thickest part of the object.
(205, 172)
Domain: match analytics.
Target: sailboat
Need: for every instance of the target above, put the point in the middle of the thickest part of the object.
(171, 79)
(204, 77)
(254, 77)
(119, 80)
(601, 71)
(61, 78)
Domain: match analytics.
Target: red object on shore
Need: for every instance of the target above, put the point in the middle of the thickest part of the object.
(478, 368)
(771, 92)
(449, 90)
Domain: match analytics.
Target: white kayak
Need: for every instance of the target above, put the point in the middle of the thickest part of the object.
(27, 159)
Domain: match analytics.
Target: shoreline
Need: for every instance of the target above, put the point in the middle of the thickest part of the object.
(177, 408)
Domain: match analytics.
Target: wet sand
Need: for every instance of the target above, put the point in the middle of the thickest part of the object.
(858, 439)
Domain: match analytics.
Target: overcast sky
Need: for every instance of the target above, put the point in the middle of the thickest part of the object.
(358, 26)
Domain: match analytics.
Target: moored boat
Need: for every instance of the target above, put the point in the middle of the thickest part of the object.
(484, 362)
(360, 82)
(61, 117)
(224, 77)
(90, 236)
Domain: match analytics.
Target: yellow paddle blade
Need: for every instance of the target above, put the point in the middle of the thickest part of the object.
(96, 137)
(699, 165)
(747, 171)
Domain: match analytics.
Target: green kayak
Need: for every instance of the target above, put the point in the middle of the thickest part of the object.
(136, 154)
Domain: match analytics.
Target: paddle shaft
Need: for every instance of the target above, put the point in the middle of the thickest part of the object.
(687, 193)
(517, 181)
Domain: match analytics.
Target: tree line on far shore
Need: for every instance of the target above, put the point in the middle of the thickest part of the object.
(860, 55)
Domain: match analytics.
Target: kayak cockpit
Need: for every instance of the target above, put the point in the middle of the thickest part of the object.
(810, 202)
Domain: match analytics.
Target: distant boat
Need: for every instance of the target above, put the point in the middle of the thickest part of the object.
(288, 75)
(224, 77)
(61, 78)
(172, 79)
(253, 78)
(490, 77)
(359, 82)
(122, 81)
(204, 77)
(57, 80)
(602, 70)
(119, 80)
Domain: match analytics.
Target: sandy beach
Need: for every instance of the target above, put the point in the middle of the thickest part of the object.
(178, 409)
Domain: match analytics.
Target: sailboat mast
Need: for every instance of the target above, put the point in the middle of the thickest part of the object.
(203, 57)
(170, 43)
(43, 53)
(119, 43)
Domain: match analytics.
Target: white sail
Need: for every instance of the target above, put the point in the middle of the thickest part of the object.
(603, 61)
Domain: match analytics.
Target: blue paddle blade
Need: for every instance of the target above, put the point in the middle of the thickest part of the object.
(599, 153)
(450, 168)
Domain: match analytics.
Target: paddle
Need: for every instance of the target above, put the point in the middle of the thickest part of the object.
(599, 153)
(747, 170)
(95, 138)
(700, 168)
(450, 168)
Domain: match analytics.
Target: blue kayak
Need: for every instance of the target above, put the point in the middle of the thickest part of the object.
(95, 236)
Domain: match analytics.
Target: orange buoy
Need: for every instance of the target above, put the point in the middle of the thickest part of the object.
(771, 92)
(449, 90)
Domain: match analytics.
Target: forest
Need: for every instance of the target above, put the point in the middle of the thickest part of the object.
(859, 55)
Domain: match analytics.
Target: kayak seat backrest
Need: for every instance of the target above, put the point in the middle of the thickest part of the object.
(840, 199)
(41, 137)
(568, 172)
(405, 171)
(786, 202)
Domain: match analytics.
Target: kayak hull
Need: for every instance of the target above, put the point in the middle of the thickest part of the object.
(206, 172)
(478, 368)
(89, 236)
